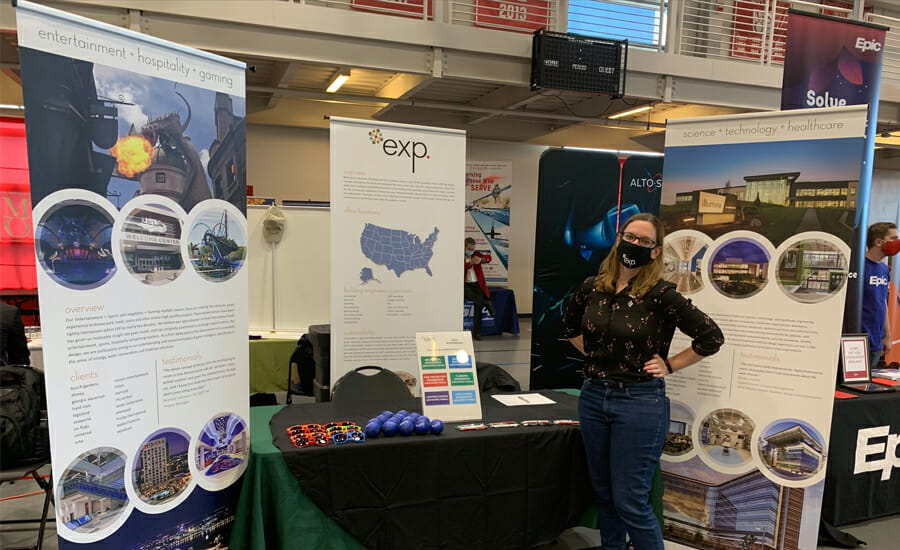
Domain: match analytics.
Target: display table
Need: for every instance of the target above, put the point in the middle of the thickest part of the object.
(849, 496)
(506, 318)
(498, 488)
(269, 359)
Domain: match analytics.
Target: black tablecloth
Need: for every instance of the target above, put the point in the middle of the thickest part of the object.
(850, 496)
(491, 489)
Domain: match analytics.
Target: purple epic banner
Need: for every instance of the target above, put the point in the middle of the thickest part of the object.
(830, 62)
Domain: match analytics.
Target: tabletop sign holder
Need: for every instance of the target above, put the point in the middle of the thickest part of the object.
(855, 373)
(447, 372)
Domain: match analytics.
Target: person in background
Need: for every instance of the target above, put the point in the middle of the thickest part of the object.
(13, 343)
(475, 289)
(881, 241)
(623, 320)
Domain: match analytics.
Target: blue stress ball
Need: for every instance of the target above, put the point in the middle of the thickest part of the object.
(421, 428)
(406, 427)
(372, 429)
(414, 416)
(389, 428)
(403, 412)
(424, 419)
(437, 426)
(386, 413)
(376, 420)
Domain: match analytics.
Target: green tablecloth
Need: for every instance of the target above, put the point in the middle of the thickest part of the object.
(272, 511)
(269, 359)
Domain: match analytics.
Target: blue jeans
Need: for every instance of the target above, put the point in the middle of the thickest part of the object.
(624, 427)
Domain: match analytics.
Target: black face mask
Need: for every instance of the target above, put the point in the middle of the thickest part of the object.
(633, 256)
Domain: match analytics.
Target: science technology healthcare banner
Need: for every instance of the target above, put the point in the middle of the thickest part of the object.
(758, 211)
(488, 194)
(397, 206)
(136, 152)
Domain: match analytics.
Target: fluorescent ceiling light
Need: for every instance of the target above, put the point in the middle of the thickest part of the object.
(634, 111)
(620, 152)
(11, 106)
(338, 80)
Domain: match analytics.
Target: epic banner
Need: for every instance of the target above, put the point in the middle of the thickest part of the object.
(829, 62)
(136, 152)
(397, 242)
(758, 211)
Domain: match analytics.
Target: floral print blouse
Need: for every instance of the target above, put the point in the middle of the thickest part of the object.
(622, 332)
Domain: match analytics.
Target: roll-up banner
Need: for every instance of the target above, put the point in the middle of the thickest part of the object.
(136, 151)
(832, 62)
(758, 211)
(488, 197)
(397, 222)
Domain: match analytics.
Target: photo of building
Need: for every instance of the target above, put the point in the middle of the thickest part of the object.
(681, 423)
(792, 449)
(151, 244)
(73, 241)
(725, 437)
(739, 268)
(218, 244)
(224, 444)
(683, 261)
(747, 511)
(811, 271)
(91, 495)
(161, 469)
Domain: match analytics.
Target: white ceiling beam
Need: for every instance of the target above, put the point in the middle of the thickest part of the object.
(284, 73)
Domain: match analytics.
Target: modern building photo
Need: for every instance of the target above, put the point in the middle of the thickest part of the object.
(683, 261)
(739, 268)
(151, 244)
(811, 270)
(792, 450)
(679, 440)
(90, 495)
(161, 468)
(725, 437)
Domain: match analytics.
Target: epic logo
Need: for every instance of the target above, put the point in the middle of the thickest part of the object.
(399, 148)
(888, 450)
(867, 45)
(876, 281)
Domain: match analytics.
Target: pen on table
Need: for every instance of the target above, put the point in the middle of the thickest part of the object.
(523, 399)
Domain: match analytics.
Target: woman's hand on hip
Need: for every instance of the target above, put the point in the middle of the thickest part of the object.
(656, 367)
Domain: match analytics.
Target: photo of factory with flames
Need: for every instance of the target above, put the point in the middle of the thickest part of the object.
(120, 134)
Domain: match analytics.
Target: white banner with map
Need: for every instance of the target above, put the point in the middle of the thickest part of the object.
(397, 204)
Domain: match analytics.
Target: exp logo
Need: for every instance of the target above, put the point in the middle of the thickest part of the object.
(413, 150)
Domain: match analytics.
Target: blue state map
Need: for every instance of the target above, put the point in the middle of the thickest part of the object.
(396, 249)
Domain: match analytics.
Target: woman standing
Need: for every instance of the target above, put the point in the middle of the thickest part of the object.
(623, 321)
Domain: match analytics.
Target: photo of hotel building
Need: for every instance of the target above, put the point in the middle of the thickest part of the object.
(792, 450)
(811, 271)
(683, 261)
(91, 493)
(747, 512)
(161, 469)
(725, 436)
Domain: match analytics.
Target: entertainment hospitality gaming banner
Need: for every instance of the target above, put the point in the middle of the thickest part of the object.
(758, 211)
(488, 194)
(397, 206)
(136, 152)
(583, 197)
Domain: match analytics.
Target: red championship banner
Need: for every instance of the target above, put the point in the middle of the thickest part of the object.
(751, 25)
(513, 15)
(413, 9)
(17, 271)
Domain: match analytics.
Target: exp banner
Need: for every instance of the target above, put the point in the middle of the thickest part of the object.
(136, 151)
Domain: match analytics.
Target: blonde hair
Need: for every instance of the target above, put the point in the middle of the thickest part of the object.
(647, 277)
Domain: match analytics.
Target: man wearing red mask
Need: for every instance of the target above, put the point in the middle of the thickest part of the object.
(881, 241)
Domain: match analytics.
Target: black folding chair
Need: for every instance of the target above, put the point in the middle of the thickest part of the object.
(11, 475)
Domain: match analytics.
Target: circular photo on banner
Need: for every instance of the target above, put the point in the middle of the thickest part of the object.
(221, 451)
(679, 443)
(724, 437)
(91, 496)
(73, 241)
(161, 473)
(149, 240)
(739, 268)
(792, 450)
(217, 241)
(811, 271)
(683, 260)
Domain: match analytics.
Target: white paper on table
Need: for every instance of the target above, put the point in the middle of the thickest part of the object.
(523, 399)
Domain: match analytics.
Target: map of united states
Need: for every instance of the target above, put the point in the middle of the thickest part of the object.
(396, 249)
